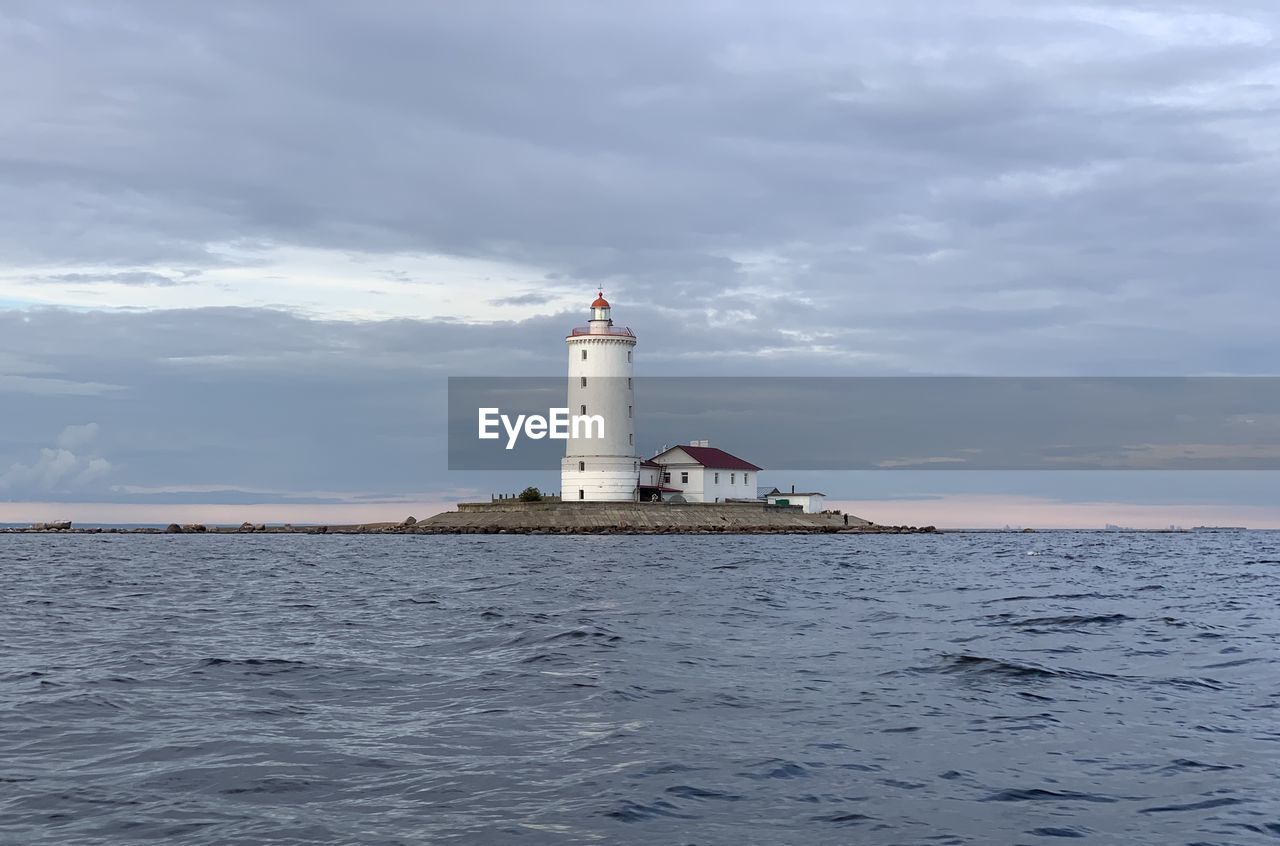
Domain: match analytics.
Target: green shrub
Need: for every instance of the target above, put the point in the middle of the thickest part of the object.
(531, 494)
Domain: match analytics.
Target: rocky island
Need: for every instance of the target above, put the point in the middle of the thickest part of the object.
(551, 518)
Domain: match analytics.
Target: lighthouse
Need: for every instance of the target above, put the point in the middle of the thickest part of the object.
(601, 469)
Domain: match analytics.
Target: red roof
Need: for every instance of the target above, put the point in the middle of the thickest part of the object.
(600, 302)
(716, 458)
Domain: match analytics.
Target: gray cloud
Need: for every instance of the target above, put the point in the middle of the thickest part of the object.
(63, 469)
(127, 277)
(1085, 142)
(78, 437)
(529, 298)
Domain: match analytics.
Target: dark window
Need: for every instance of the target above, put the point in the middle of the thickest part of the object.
(684, 478)
(584, 381)
(666, 478)
(584, 355)
(582, 465)
(582, 494)
(584, 409)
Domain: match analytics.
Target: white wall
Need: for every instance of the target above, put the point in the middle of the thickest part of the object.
(812, 503)
(607, 392)
(707, 484)
(690, 490)
(604, 479)
(732, 484)
(610, 463)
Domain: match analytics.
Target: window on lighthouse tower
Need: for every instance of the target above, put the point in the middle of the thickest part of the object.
(584, 355)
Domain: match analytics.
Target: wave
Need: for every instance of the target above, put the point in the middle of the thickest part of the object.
(980, 665)
(1037, 794)
(1076, 620)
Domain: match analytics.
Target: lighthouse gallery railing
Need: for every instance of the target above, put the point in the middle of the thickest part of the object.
(625, 331)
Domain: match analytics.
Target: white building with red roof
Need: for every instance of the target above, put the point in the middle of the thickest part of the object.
(699, 472)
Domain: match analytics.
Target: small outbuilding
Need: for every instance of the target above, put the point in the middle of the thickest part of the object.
(811, 501)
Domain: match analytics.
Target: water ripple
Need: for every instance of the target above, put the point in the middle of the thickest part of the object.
(657, 690)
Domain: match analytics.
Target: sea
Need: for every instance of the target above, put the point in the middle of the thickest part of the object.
(983, 688)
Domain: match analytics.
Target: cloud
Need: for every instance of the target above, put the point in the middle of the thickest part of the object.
(61, 469)
(265, 237)
(40, 386)
(893, 463)
(527, 298)
(1101, 162)
(55, 471)
(127, 277)
(77, 437)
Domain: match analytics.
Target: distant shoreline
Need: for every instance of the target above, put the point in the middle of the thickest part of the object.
(422, 529)
(398, 529)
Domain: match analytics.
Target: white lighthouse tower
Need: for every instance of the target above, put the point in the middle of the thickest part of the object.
(601, 469)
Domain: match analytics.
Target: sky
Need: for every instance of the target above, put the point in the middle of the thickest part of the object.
(243, 245)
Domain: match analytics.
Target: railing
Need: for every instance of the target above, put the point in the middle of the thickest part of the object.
(513, 497)
(624, 331)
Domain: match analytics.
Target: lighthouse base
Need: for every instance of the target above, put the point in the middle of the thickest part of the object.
(541, 518)
(598, 478)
